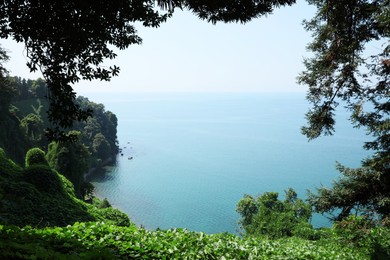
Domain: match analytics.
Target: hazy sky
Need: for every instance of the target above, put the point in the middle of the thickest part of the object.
(188, 54)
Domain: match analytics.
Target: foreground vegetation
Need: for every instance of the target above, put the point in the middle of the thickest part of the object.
(94, 240)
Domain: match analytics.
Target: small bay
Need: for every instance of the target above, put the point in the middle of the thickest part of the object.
(188, 158)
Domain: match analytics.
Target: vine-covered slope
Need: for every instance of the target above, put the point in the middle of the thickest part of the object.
(104, 241)
(39, 196)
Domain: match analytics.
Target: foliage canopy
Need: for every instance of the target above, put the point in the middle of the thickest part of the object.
(268, 216)
(341, 72)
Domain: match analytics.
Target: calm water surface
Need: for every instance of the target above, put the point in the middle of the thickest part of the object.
(196, 155)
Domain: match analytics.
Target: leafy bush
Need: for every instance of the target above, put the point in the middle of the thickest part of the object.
(87, 190)
(117, 217)
(35, 156)
(268, 216)
(67, 185)
(39, 196)
(43, 178)
(7, 166)
(359, 232)
(18, 204)
(99, 240)
(353, 228)
(71, 160)
(103, 211)
(105, 204)
(379, 243)
(306, 231)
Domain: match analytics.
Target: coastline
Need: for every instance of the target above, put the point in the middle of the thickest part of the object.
(100, 166)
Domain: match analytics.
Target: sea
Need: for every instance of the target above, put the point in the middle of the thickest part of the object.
(188, 158)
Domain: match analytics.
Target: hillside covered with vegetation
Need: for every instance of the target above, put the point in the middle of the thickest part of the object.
(23, 125)
(39, 196)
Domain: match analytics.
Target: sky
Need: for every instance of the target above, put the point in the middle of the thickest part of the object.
(187, 54)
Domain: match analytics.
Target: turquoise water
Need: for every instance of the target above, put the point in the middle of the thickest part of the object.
(196, 155)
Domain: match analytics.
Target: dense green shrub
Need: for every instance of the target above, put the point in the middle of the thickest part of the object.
(353, 228)
(105, 204)
(379, 243)
(306, 231)
(268, 216)
(18, 203)
(39, 196)
(35, 156)
(116, 216)
(7, 166)
(103, 211)
(67, 185)
(359, 232)
(100, 240)
(43, 178)
(71, 160)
